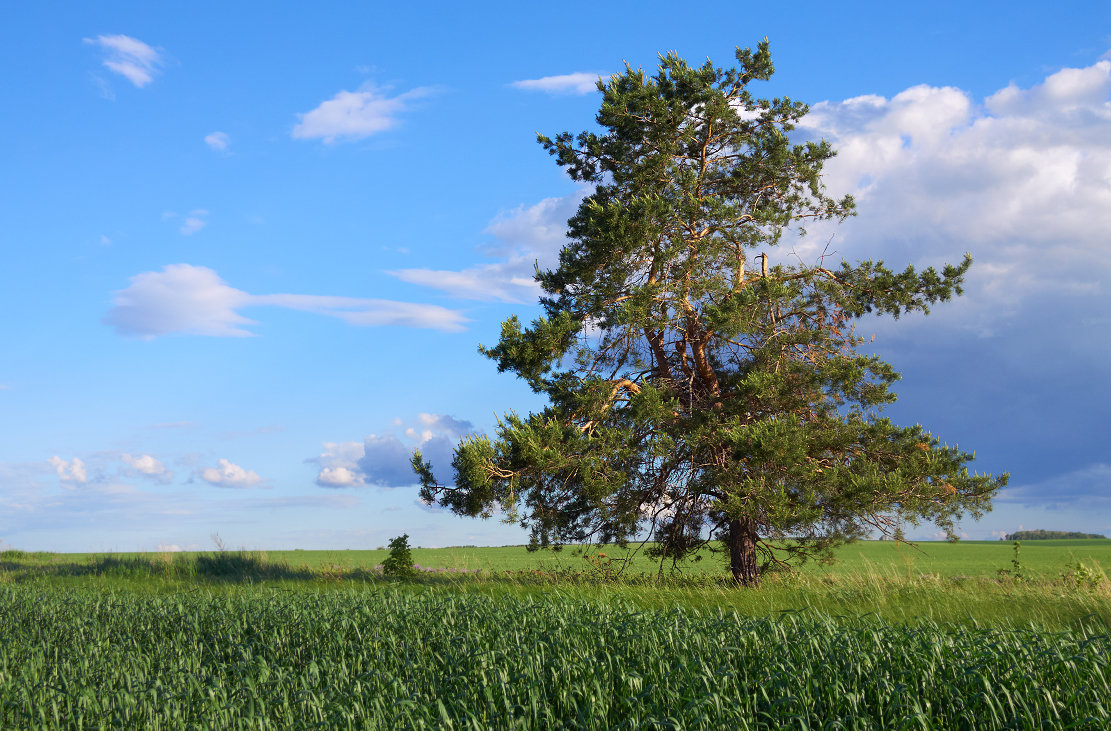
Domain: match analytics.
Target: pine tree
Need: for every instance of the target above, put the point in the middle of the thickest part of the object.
(696, 390)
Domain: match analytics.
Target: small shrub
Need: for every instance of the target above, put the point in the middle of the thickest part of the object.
(400, 560)
(1080, 576)
(1016, 571)
(331, 572)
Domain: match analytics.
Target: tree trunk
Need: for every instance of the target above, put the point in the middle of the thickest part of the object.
(742, 552)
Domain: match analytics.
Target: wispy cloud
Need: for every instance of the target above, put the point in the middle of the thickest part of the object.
(188, 299)
(1085, 488)
(129, 57)
(227, 474)
(580, 82)
(366, 312)
(194, 222)
(526, 237)
(353, 115)
(218, 141)
(383, 460)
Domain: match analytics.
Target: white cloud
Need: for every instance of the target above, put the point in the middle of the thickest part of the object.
(73, 471)
(217, 141)
(1023, 182)
(188, 299)
(527, 236)
(168, 548)
(1075, 93)
(179, 299)
(129, 57)
(384, 460)
(226, 474)
(366, 312)
(339, 464)
(353, 115)
(338, 477)
(581, 82)
(148, 466)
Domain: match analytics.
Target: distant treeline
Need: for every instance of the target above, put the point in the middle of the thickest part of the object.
(1045, 535)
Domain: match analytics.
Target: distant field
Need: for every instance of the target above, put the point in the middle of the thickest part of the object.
(886, 558)
(943, 582)
(964, 558)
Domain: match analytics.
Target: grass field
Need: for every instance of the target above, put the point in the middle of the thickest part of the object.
(964, 558)
(889, 637)
(944, 559)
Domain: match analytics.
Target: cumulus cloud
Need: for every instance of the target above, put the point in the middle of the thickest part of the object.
(129, 57)
(353, 115)
(1023, 182)
(179, 299)
(581, 82)
(383, 460)
(147, 466)
(227, 474)
(218, 141)
(338, 477)
(72, 472)
(188, 299)
(525, 237)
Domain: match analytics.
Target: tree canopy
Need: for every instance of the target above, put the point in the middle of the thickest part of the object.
(700, 387)
(1048, 535)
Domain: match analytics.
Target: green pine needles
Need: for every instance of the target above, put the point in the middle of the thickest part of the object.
(701, 389)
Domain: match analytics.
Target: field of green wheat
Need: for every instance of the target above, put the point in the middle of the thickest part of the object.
(967, 635)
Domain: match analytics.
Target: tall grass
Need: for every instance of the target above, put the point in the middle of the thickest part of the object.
(386, 658)
(1051, 602)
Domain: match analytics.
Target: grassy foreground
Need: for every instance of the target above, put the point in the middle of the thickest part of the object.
(389, 659)
(307, 639)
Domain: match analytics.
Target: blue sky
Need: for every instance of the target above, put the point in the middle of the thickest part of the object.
(250, 250)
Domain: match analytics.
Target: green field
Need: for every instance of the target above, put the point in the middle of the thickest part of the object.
(887, 558)
(888, 637)
(964, 558)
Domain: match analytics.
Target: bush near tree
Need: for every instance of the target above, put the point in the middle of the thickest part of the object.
(701, 384)
(400, 561)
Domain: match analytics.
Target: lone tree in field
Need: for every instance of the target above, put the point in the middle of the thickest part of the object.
(697, 393)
